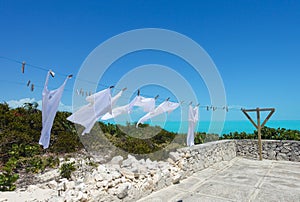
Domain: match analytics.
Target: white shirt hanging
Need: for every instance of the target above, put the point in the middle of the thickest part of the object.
(148, 104)
(87, 116)
(193, 119)
(119, 111)
(166, 106)
(50, 103)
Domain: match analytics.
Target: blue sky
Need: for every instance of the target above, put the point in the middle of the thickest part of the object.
(254, 44)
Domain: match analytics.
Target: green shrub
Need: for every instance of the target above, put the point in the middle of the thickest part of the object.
(7, 181)
(8, 177)
(66, 170)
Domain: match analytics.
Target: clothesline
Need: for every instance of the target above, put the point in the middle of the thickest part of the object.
(101, 104)
(25, 64)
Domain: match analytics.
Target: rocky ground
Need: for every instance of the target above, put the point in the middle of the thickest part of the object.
(119, 179)
(116, 180)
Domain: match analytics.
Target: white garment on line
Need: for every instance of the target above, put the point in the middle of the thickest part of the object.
(50, 103)
(120, 110)
(148, 104)
(87, 116)
(166, 106)
(114, 99)
(193, 119)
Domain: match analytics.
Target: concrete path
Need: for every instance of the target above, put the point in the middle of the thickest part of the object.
(237, 180)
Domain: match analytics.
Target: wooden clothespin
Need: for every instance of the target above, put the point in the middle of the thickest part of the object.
(111, 87)
(138, 93)
(32, 87)
(156, 97)
(207, 108)
(52, 73)
(226, 108)
(168, 99)
(28, 83)
(70, 76)
(23, 66)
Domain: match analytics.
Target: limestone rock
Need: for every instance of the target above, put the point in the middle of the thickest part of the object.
(52, 184)
(69, 185)
(176, 179)
(127, 173)
(122, 190)
(174, 156)
(116, 160)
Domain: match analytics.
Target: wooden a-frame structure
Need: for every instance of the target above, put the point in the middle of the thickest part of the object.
(258, 126)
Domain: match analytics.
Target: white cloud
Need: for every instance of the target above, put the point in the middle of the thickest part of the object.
(63, 107)
(19, 103)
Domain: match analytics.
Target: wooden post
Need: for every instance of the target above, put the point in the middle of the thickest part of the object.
(259, 134)
(258, 126)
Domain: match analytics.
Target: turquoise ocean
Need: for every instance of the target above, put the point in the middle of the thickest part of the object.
(230, 126)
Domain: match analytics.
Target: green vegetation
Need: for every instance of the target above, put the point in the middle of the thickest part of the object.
(266, 133)
(19, 149)
(66, 170)
(20, 131)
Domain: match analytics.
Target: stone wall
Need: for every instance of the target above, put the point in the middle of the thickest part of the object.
(198, 157)
(271, 149)
(130, 179)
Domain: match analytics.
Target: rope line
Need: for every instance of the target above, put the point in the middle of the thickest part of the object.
(23, 63)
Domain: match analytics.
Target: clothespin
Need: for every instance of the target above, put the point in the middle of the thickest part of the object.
(52, 73)
(191, 103)
(86, 93)
(168, 99)
(23, 66)
(70, 76)
(156, 97)
(90, 93)
(80, 92)
(32, 87)
(198, 105)
(181, 102)
(111, 87)
(28, 83)
(226, 107)
(138, 93)
(77, 91)
(124, 89)
(207, 108)
(214, 108)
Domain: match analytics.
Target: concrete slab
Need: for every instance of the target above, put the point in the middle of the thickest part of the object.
(228, 191)
(237, 180)
(277, 195)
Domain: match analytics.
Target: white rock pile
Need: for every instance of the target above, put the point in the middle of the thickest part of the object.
(129, 179)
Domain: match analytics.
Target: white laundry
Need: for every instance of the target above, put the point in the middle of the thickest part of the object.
(148, 104)
(50, 103)
(120, 110)
(87, 116)
(166, 106)
(114, 99)
(193, 119)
